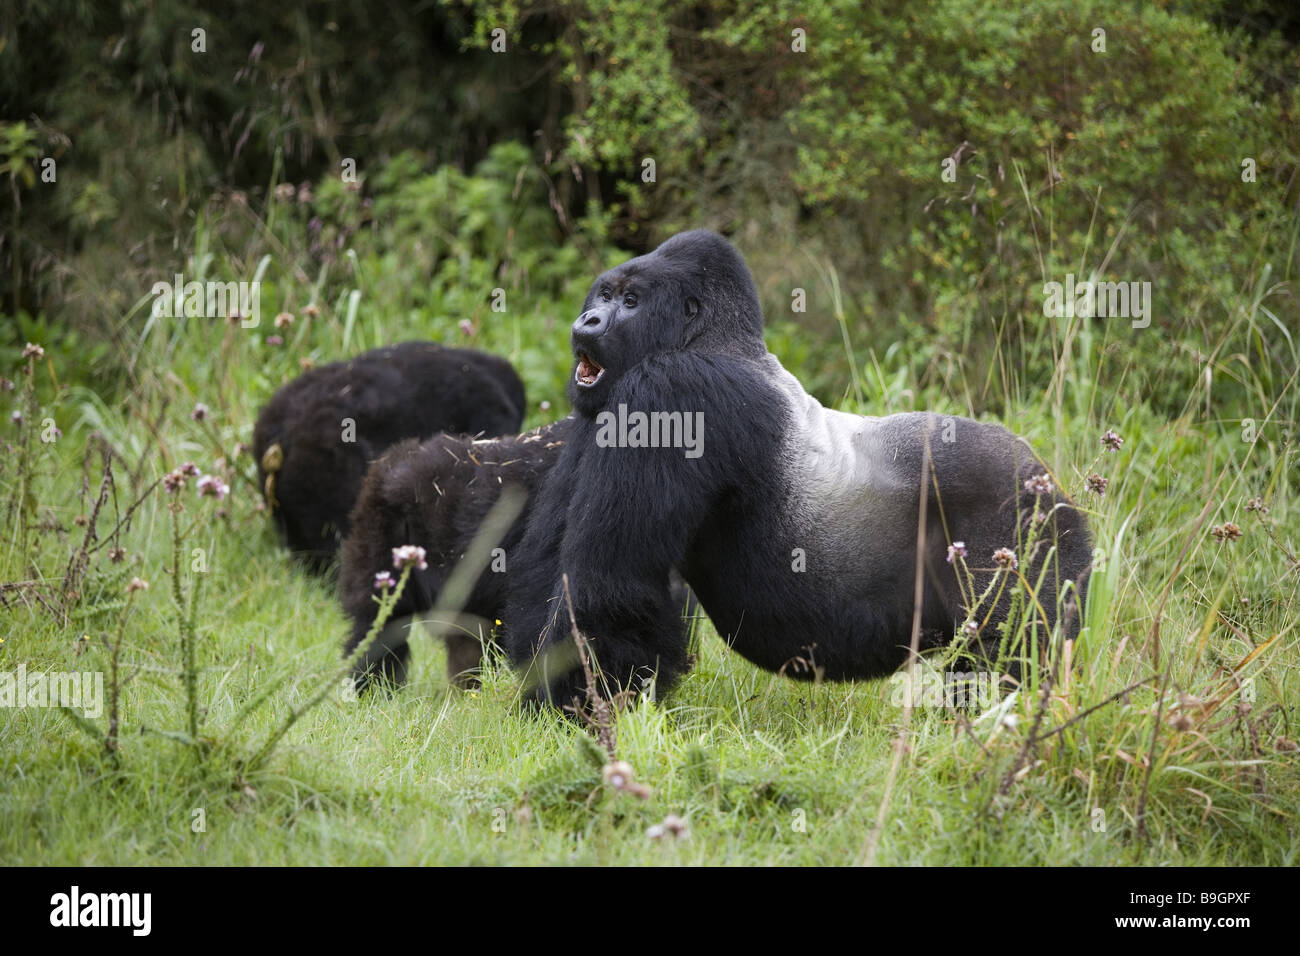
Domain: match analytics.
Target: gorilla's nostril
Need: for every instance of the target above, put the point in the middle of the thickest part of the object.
(591, 318)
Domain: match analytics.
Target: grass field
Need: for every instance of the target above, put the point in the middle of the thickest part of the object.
(1167, 737)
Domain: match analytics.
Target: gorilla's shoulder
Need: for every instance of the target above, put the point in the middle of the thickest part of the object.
(402, 466)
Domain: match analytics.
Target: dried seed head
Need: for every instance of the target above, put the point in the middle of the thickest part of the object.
(1005, 558)
(1226, 531)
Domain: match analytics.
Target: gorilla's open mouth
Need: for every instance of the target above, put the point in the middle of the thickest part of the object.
(588, 372)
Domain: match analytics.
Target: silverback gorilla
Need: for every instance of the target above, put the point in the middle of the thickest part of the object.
(318, 434)
(796, 526)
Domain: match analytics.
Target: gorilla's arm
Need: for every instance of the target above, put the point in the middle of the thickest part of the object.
(617, 519)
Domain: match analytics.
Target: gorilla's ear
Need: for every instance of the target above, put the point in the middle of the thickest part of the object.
(692, 307)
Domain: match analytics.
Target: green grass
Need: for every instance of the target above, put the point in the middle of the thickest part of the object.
(765, 770)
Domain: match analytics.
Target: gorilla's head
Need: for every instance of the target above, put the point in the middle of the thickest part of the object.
(693, 292)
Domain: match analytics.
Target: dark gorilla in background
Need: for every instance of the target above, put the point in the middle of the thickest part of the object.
(311, 474)
(795, 525)
(436, 494)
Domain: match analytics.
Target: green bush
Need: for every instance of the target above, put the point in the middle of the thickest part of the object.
(1124, 162)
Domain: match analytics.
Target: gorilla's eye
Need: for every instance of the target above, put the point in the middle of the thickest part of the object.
(605, 295)
(629, 300)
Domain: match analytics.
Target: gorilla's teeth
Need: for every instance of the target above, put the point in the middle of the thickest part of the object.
(587, 372)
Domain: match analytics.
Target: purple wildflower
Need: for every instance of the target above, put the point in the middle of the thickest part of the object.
(409, 554)
(1039, 484)
(210, 486)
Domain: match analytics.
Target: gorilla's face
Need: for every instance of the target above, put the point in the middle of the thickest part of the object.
(632, 312)
(692, 293)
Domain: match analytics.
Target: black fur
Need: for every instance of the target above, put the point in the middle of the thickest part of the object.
(435, 494)
(680, 330)
(411, 390)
